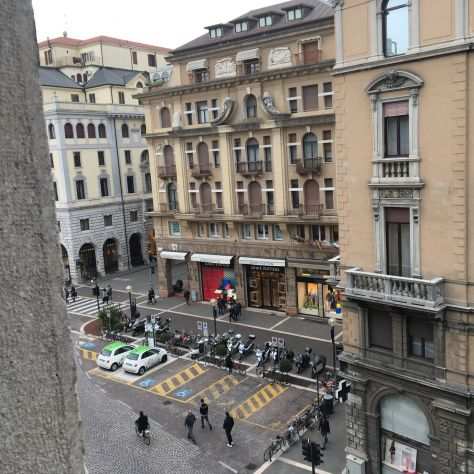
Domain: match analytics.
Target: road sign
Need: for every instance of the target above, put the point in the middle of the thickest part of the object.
(199, 325)
(147, 383)
(281, 342)
(204, 328)
(183, 393)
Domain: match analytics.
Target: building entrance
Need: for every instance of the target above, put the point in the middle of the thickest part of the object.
(266, 287)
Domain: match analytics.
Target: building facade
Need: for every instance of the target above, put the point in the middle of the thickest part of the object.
(241, 138)
(403, 102)
(98, 155)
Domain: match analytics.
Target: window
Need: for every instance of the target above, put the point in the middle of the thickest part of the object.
(251, 106)
(193, 195)
(292, 148)
(293, 100)
(74, 97)
(79, 80)
(262, 231)
(218, 195)
(51, 132)
(92, 98)
(55, 187)
(334, 233)
(294, 14)
(104, 187)
(51, 160)
(101, 158)
(252, 66)
(128, 157)
(201, 230)
(225, 231)
(48, 56)
(134, 57)
(148, 188)
(133, 216)
(310, 146)
(329, 193)
(214, 230)
(91, 131)
(215, 154)
(80, 189)
(68, 131)
(121, 97)
(142, 129)
(172, 197)
(87, 57)
(396, 129)
(202, 112)
(277, 232)
(139, 85)
(420, 338)
(174, 228)
(246, 231)
(77, 159)
(267, 153)
(125, 133)
(165, 117)
(327, 91)
(264, 21)
(58, 224)
(380, 329)
(237, 150)
(214, 108)
(130, 184)
(395, 27)
(318, 232)
(189, 113)
(300, 232)
(270, 203)
(397, 230)
(151, 60)
(252, 151)
(190, 154)
(80, 131)
(200, 75)
(84, 223)
(242, 26)
(102, 132)
(327, 145)
(216, 32)
(295, 194)
(108, 220)
(310, 98)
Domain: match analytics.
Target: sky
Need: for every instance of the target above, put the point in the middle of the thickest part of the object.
(158, 22)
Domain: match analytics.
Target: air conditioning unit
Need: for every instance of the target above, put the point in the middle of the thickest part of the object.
(354, 465)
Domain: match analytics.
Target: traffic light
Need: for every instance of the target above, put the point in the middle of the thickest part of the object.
(306, 448)
(317, 454)
(312, 452)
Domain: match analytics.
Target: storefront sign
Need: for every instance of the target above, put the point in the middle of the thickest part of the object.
(259, 268)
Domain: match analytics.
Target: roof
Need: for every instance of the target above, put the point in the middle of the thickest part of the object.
(111, 77)
(115, 345)
(73, 42)
(318, 10)
(55, 78)
(140, 349)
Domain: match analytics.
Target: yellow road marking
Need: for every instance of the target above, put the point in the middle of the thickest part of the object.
(178, 380)
(89, 355)
(216, 390)
(258, 401)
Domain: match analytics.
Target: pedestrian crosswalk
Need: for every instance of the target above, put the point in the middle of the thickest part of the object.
(83, 305)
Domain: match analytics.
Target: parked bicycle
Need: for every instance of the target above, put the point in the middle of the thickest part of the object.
(276, 445)
(145, 435)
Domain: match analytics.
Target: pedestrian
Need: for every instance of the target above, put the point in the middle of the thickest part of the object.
(151, 296)
(229, 363)
(204, 410)
(105, 297)
(73, 293)
(214, 312)
(238, 310)
(228, 425)
(221, 306)
(66, 294)
(109, 292)
(231, 312)
(324, 429)
(187, 296)
(189, 424)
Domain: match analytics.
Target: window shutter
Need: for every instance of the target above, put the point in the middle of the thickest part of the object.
(310, 98)
(397, 215)
(395, 109)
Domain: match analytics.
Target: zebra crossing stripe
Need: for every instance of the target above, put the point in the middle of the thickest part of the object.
(83, 305)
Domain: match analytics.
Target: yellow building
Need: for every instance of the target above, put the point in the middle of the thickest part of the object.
(241, 139)
(98, 154)
(403, 96)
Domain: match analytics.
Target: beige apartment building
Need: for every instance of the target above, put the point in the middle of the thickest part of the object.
(241, 142)
(404, 109)
(98, 153)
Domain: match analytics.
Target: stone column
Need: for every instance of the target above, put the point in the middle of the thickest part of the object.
(163, 277)
(228, 173)
(280, 172)
(194, 279)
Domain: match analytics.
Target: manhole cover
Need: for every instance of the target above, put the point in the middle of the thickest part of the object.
(251, 466)
(167, 402)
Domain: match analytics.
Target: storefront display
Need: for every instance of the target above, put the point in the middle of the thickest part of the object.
(266, 287)
(217, 280)
(398, 457)
(315, 296)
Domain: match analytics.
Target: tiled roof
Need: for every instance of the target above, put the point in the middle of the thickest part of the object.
(54, 78)
(66, 41)
(111, 76)
(318, 10)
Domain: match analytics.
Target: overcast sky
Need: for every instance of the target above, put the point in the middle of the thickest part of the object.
(168, 23)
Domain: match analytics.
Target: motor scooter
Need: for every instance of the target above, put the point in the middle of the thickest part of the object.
(233, 344)
(245, 348)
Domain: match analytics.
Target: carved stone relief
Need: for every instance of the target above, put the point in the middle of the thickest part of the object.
(279, 57)
(225, 67)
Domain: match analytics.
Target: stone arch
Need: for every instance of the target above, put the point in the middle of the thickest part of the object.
(110, 251)
(87, 261)
(80, 131)
(68, 130)
(102, 131)
(91, 131)
(136, 249)
(394, 80)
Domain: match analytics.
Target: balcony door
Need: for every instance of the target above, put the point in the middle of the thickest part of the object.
(310, 52)
(203, 156)
(255, 196)
(206, 196)
(397, 237)
(311, 196)
(169, 157)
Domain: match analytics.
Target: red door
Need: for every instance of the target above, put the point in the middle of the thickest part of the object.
(211, 280)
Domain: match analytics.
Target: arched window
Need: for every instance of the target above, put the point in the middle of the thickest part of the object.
(310, 146)
(51, 132)
(102, 131)
(79, 78)
(168, 154)
(165, 117)
(139, 85)
(91, 131)
(172, 197)
(252, 150)
(203, 156)
(395, 27)
(143, 129)
(125, 133)
(80, 132)
(251, 106)
(68, 130)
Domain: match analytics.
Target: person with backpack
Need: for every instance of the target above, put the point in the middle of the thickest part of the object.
(228, 425)
(189, 424)
(204, 411)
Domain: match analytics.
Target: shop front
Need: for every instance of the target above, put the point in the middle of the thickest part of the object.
(218, 278)
(266, 283)
(174, 273)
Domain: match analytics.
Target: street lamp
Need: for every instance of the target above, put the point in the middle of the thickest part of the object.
(96, 290)
(129, 290)
(332, 324)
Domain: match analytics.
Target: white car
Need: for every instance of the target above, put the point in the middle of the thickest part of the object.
(143, 358)
(113, 355)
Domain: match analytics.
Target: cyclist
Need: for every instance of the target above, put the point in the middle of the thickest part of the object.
(142, 423)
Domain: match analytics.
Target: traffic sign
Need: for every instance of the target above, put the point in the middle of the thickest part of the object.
(281, 342)
(199, 325)
(204, 328)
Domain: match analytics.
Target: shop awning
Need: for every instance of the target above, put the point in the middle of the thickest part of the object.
(247, 55)
(208, 258)
(264, 262)
(197, 64)
(173, 255)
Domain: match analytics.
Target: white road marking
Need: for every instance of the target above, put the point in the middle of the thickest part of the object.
(231, 469)
(281, 322)
(339, 335)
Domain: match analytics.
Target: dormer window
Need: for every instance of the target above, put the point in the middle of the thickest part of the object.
(216, 32)
(242, 26)
(295, 14)
(265, 21)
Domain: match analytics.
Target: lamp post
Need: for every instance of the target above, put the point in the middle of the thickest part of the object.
(96, 290)
(129, 290)
(332, 324)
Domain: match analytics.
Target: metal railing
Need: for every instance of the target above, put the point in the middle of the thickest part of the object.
(249, 168)
(166, 208)
(254, 210)
(201, 171)
(311, 210)
(168, 171)
(306, 166)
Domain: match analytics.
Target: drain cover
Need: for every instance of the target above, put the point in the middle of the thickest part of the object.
(167, 402)
(251, 466)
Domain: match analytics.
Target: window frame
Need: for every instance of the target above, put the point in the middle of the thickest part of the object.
(241, 27)
(108, 220)
(267, 21)
(104, 187)
(133, 215)
(84, 224)
(151, 60)
(121, 97)
(100, 158)
(76, 156)
(172, 225)
(202, 112)
(130, 180)
(384, 16)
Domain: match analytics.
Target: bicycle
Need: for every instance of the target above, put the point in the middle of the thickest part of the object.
(276, 445)
(145, 435)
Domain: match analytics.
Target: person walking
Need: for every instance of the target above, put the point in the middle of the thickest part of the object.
(229, 363)
(109, 292)
(214, 311)
(189, 424)
(238, 310)
(187, 296)
(324, 429)
(228, 425)
(151, 296)
(204, 411)
(73, 293)
(66, 294)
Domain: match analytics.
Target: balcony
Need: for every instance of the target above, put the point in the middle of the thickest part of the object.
(309, 210)
(307, 166)
(206, 210)
(169, 208)
(252, 210)
(396, 170)
(393, 289)
(249, 168)
(201, 171)
(167, 171)
(302, 59)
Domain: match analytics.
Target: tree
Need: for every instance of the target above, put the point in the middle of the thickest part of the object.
(110, 318)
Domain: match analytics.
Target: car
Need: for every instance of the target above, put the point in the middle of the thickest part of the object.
(143, 358)
(113, 355)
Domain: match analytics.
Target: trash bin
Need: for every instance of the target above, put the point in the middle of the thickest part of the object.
(327, 406)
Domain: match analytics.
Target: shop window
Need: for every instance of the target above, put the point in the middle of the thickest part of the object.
(174, 228)
(262, 231)
(420, 338)
(395, 27)
(277, 232)
(246, 231)
(380, 329)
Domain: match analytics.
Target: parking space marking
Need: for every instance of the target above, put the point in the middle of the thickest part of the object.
(258, 401)
(178, 380)
(217, 389)
(88, 355)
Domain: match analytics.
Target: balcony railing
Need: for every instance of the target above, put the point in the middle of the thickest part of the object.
(201, 171)
(302, 59)
(307, 166)
(249, 168)
(308, 210)
(169, 208)
(167, 171)
(389, 169)
(206, 209)
(252, 210)
(394, 289)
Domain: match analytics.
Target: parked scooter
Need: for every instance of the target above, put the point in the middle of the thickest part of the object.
(266, 353)
(274, 356)
(303, 360)
(233, 344)
(245, 348)
(259, 356)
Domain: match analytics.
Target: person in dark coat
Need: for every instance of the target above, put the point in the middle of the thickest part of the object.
(189, 424)
(238, 310)
(187, 296)
(229, 363)
(66, 294)
(73, 293)
(324, 429)
(214, 311)
(228, 425)
(204, 411)
(109, 292)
